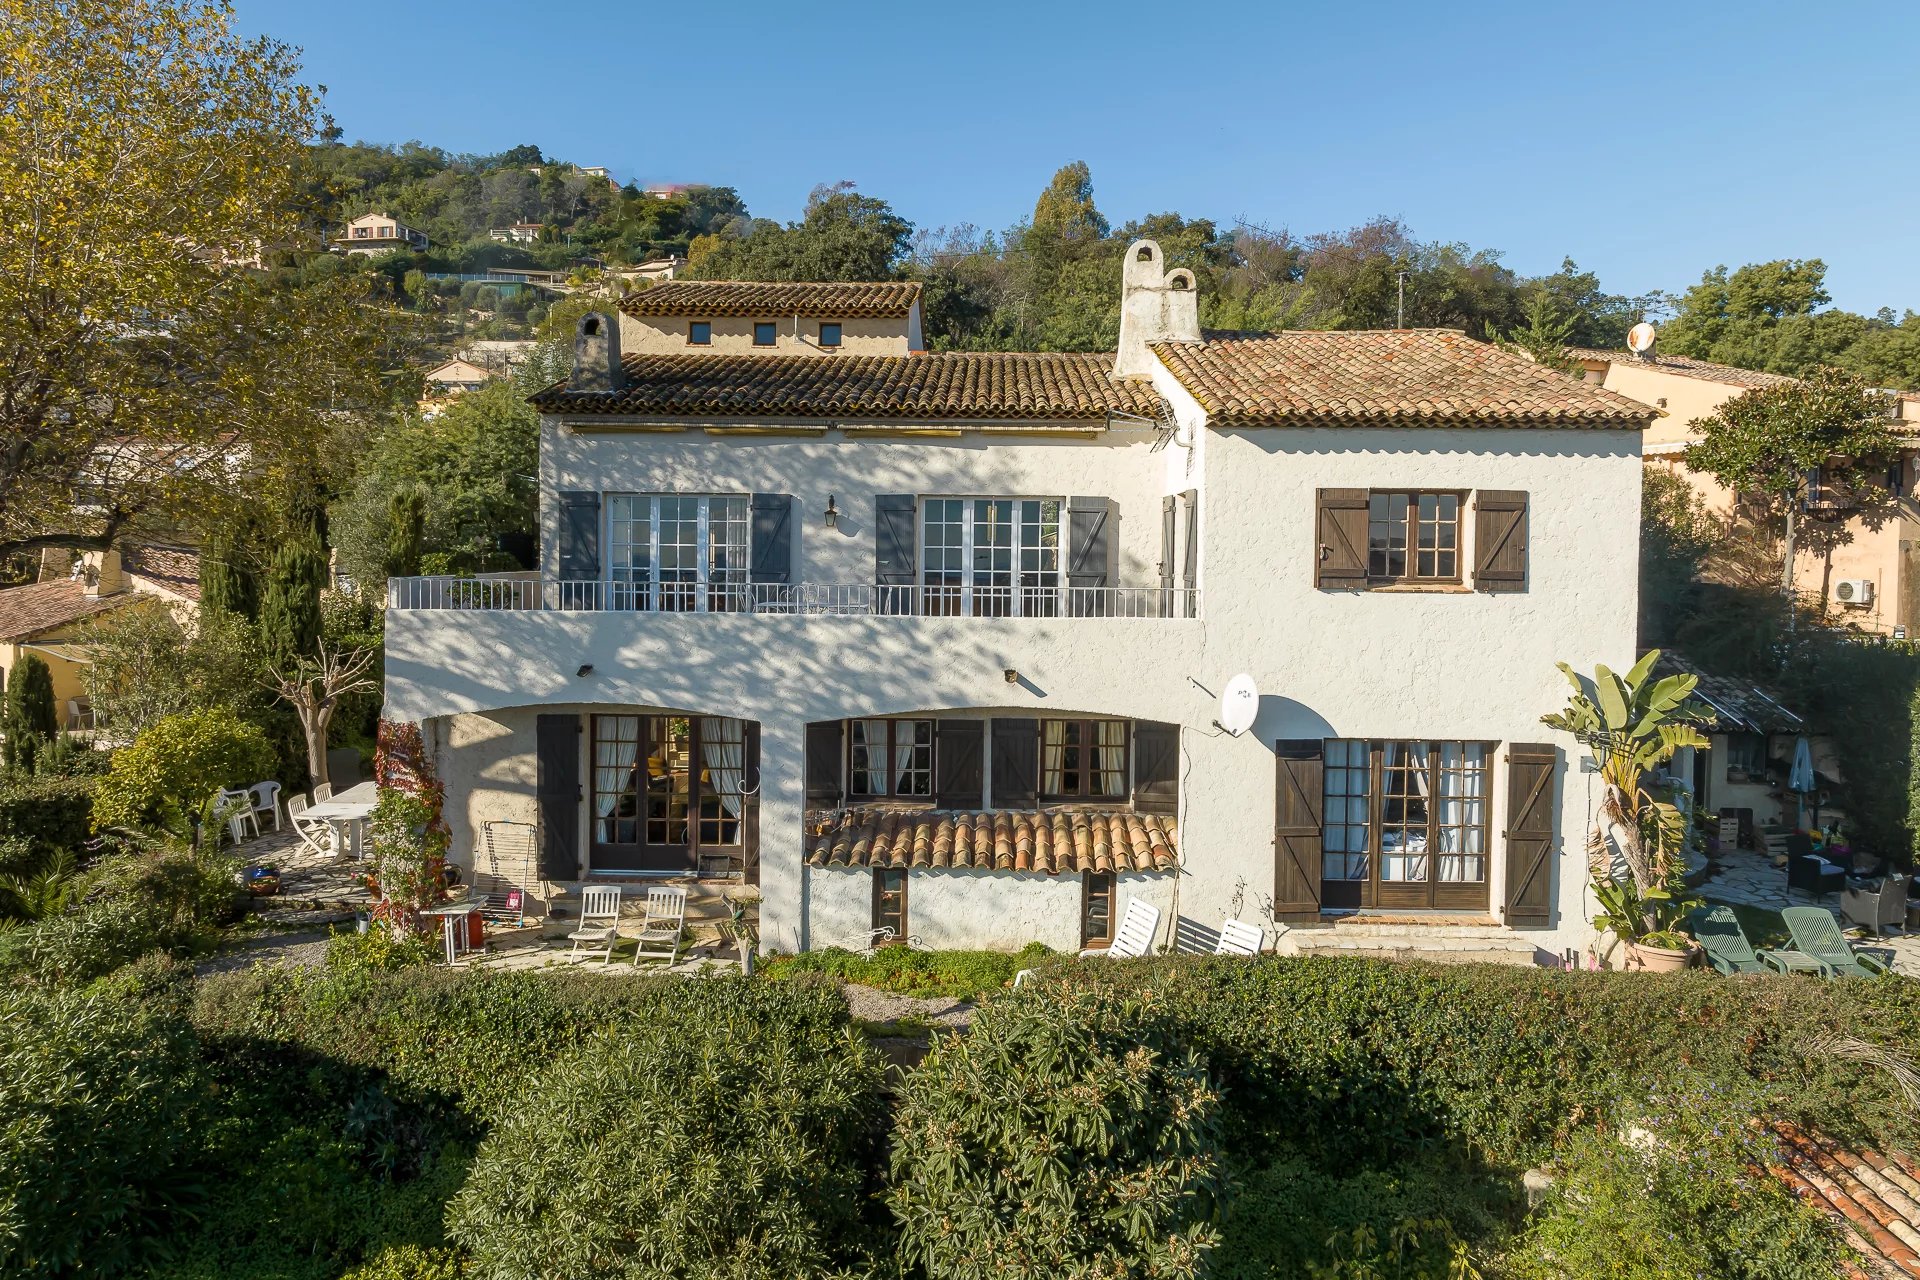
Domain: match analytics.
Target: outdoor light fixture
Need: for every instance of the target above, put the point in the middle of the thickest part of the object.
(833, 514)
(1013, 677)
(586, 669)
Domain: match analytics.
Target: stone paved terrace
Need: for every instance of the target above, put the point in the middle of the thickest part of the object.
(1749, 878)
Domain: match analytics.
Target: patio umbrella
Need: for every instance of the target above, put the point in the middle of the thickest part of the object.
(1800, 778)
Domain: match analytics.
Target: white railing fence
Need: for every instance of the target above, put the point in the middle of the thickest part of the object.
(811, 599)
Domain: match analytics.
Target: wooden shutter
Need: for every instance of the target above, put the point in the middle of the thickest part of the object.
(1190, 570)
(557, 795)
(959, 776)
(1089, 554)
(1169, 528)
(895, 551)
(1016, 762)
(1340, 540)
(1298, 799)
(770, 556)
(1156, 767)
(750, 814)
(579, 536)
(1531, 767)
(826, 764)
(1499, 540)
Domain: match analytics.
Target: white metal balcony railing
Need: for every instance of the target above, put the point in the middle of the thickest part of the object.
(809, 599)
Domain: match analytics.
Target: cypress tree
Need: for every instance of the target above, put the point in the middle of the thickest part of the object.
(290, 602)
(406, 531)
(227, 584)
(30, 720)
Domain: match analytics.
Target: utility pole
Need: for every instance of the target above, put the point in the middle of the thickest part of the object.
(1400, 319)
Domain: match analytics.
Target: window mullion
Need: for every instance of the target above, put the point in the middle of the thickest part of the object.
(653, 553)
(702, 554)
(966, 558)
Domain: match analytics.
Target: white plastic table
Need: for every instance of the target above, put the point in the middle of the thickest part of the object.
(453, 923)
(347, 814)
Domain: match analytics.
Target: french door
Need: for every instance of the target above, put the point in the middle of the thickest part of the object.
(677, 552)
(1405, 825)
(990, 557)
(672, 793)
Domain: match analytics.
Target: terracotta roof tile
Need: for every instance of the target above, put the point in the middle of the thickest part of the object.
(699, 298)
(1385, 377)
(1875, 1197)
(175, 568)
(1684, 366)
(1051, 842)
(39, 607)
(945, 386)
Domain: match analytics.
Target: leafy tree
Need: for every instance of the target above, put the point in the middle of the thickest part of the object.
(171, 770)
(290, 623)
(1065, 211)
(1765, 444)
(31, 720)
(148, 665)
(843, 236)
(135, 357)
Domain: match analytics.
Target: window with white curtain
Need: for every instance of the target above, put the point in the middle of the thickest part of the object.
(891, 758)
(659, 780)
(677, 552)
(1430, 821)
(1083, 759)
(990, 557)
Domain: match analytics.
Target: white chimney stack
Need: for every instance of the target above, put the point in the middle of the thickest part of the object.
(1156, 305)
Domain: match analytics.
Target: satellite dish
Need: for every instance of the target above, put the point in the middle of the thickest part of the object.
(1640, 338)
(1239, 703)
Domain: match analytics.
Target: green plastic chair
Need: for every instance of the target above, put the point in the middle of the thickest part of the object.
(1717, 930)
(1816, 933)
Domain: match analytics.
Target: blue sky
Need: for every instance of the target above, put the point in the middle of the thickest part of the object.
(1648, 141)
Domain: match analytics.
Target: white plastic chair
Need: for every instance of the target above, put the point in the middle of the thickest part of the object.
(1139, 924)
(266, 801)
(660, 929)
(323, 793)
(237, 807)
(599, 922)
(1237, 938)
(315, 834)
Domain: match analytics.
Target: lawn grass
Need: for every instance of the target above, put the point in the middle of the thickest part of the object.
(924, 975)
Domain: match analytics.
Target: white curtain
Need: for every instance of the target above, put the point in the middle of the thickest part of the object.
(723, 746)
(1403, 847)
(1463, 777)
(1053, 755)
(902, 757)
(1110, 758)
(613, 760)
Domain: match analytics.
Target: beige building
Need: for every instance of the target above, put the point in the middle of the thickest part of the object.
(724, 317)
(1861, 575)
(518, 233)
(456, 376)
(372, 233)
(48, 618)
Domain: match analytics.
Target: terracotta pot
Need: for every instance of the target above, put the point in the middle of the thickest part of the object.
(1658, 959)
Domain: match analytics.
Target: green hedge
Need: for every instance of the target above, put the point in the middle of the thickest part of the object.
(50, 813)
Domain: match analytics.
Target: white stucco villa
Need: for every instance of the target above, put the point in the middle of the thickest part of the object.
(935, 640)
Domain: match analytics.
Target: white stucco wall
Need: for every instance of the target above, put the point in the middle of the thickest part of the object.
(1444, 665)
(993, 911)
(733, 335)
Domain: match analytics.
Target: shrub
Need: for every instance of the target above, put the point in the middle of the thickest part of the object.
(411, 1262)
(134, 904)
(172, 769)
(1687, 1195)
(730, 1141)
(378, 950)
(959, 975)
(49, 814)
(99, 1105)
(1066, 1134)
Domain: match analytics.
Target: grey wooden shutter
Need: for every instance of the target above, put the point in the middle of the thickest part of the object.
(750, 816)
(579, 536)
(1169, 527)
(895, 550)
(1090, 524)
(826, 764)
(1190, 569)
(1500, 540)
(959, 777)
(1298, 798)
(770, 555)
(557, 796)
(1531, 767)
(1340, 540)
(1156, 767)
(1016, 762)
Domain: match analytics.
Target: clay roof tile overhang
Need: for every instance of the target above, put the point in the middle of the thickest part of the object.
(957, 387)
(1387, 378)
(1682, 366)
(1046, 842)
(701, 298)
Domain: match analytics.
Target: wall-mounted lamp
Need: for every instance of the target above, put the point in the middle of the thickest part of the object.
(586, 669)
(1013, 677)
(833, 514)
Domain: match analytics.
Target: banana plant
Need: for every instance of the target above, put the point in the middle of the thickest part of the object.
(1633, 724)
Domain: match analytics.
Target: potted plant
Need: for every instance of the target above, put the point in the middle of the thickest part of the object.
(1636, 851)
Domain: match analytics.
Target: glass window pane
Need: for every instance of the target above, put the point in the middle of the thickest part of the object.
(722, 777)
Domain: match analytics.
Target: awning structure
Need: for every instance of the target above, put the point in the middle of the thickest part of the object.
(1738, 706)
(1050, 842)
(64, 652)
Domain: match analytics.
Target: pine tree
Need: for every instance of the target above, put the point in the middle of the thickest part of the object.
(290, 602)
(30, 721)
(406, 531)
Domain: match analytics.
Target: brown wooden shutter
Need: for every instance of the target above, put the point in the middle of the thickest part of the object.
(1340, 540)
(1296, 829)
(1531, 767)
(1156, 767)
(557, 796)
(826, 764)
(1016, 762)
(959, 776)
(1500, 540)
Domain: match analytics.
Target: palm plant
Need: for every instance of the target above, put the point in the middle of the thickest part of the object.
(1633, 724)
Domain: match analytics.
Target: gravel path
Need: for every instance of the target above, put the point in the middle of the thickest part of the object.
(307, 948)
(869, 1005)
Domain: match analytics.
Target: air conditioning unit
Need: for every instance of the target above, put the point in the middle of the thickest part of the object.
(1854, 591)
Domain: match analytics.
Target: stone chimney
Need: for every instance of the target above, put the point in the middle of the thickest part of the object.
(1156, 305)
(102, 573)
(596, 354)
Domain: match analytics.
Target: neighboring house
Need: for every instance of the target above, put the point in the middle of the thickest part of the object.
(518, 233)
(456, 376)
(936, 642)
(377, 233)
(652, 269)
(1750, 744)
(498, 355)
(668, 190)
(1868, 577)
(47, 618)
